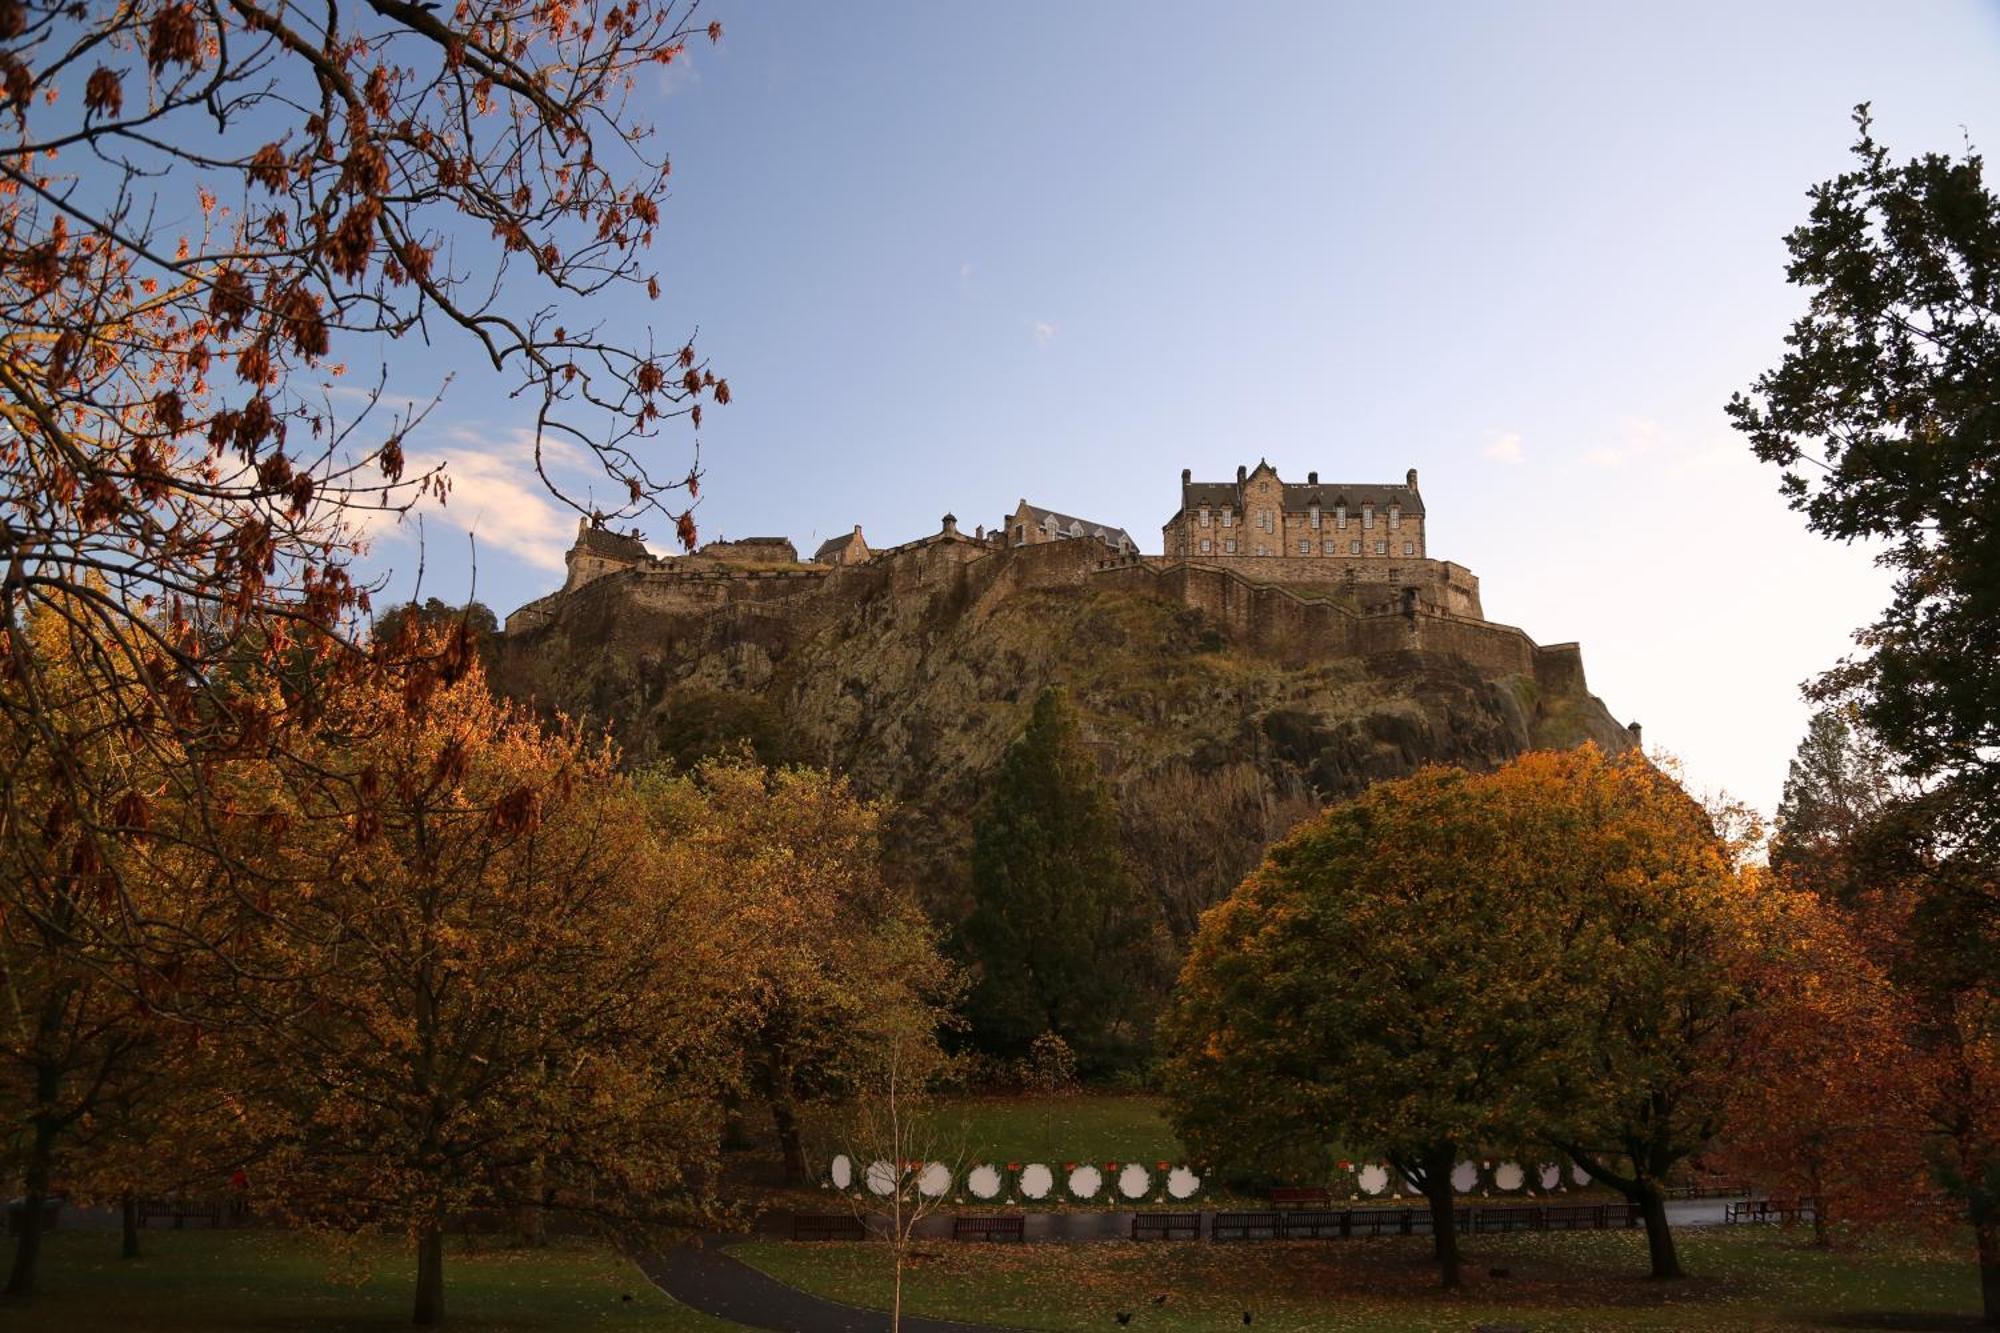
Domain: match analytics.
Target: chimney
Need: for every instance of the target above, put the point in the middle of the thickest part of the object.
(951, 525)
(857, 529)
(1633, 727)
(1413, 479)
(1242, 474)
(1312, 478)
(1187, 475)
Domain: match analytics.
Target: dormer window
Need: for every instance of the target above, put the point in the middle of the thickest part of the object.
(1395, 517)
(1315, 515)
(1204, 516)
(1340, 516)
(1227, 518)
(1367, 516)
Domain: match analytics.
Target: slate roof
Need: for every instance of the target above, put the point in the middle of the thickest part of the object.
(1069, 525)
(1301, 495)
(829, 546)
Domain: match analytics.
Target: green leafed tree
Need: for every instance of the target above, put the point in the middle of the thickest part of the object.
(1837, 783)
(1062, 938)
(1884, 418)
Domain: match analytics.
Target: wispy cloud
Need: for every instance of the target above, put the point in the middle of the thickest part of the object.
(1503, 446)
(494, 495)
(1042, 330)
(1637, 437)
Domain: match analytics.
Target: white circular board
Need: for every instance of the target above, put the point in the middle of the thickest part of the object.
(1579, 1175)
(1509, 1176)
(1182, 1183)
(935, 1180)
(1086, 1181)
(1373, 1179)
(1465, 1177)
(1135, 1181)
(843, 1171)
(1551, 1175)
(984, 1182)
(882, 1178)
(1036, 1181)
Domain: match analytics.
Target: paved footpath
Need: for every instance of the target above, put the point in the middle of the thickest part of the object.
(703, 1276)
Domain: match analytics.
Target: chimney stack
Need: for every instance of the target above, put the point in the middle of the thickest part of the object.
(1413, 479)
(1187, 475)
(1633, 727)
(1312, 478)
(1242, 474)
(951, 525)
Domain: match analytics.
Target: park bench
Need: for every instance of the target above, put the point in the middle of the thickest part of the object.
(1530, 1217)
(828, 1226)
(1387, 1221)
(1004, 1227)
(1245, 1226)
(1166, 1226)
(1784, 1211)
(1295, 1196)
(1589, 1216)
(180, 1212)
(1315, 1224)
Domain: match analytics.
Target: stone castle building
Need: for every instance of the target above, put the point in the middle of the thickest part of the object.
(1031, 525)
(1262, 515)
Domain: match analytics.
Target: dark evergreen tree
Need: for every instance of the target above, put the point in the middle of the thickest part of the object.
(1837, 783)
(1059, 933)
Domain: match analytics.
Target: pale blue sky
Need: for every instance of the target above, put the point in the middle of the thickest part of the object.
(951, 255)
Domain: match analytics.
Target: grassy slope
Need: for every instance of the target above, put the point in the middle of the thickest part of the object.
(198, 1281)
(1748, 1279)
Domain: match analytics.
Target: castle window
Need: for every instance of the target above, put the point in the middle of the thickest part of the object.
(1340, 516)
(1381, 547)
(1021, 534)
(1315, 515)
(1204, 516)
(1395, 516)
(1206, 546)
(1305, 547)
(1227, 518)
(1229, 547)
(1409, 548)
(1367, 516)
(1327, 547)
(1354, 547)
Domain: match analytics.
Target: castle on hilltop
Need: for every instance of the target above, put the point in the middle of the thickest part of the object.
(1261, 516)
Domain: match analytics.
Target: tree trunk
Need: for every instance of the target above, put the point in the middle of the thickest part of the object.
(896, 1306)
(1652, 1203)
(1988, 1234)
(128, 1221)
(430, 1276)
(28, 1246)
(790, 1143)
(1444, 1226)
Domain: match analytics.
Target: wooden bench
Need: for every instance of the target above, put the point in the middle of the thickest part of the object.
(1245, 1226)
(180, 1212)
(1783, 1211)
(1527, 1218)
(1003, 1227)
(828, 1226)
(1385, 1221)
(1293, 1196)
(1316, 1224)
(1166, 1226)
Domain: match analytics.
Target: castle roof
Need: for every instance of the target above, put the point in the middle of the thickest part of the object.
(617, 545)
(1304, 495)
(1069, 525)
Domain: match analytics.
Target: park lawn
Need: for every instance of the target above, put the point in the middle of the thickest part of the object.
(1748, 1278)
(1084, 1127)
(281, 1280)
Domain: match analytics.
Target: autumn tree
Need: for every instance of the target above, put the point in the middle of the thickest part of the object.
(1062, 937)
(477, 982)
(1389, 980)
(208, 211)
(838, 951)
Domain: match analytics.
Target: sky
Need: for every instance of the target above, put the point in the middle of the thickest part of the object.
(950, 256)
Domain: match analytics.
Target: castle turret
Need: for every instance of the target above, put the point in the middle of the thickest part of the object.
(599, 551)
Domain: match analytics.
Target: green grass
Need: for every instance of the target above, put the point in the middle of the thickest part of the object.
(196, 1281)
(1096, 1127)
(1745, 1278)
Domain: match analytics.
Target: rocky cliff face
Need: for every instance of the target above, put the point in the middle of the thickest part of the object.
(913, 677)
